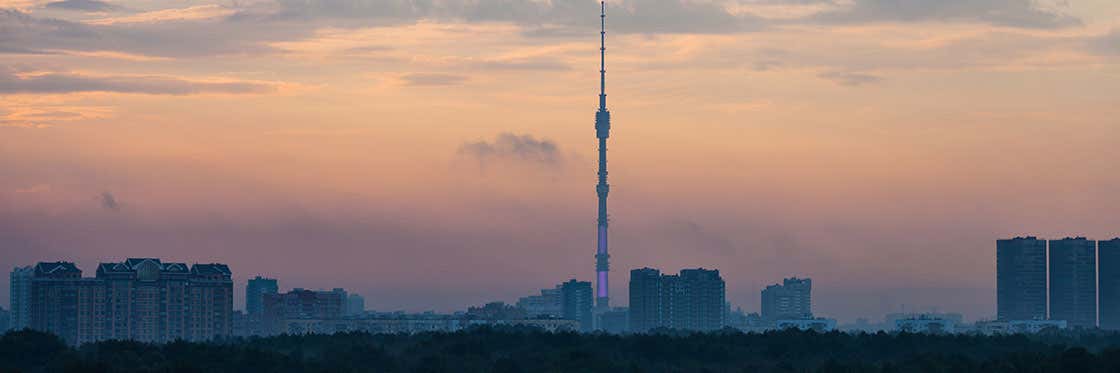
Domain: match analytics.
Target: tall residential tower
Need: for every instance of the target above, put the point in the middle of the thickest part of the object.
(1108, 256)
(602, 132)
(1021, 279)
(1073, 281)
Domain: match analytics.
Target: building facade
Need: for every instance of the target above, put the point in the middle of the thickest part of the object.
(1073, 281)
(139, 299)
(790, 300)
(1109, 283)
(1021, 279)
(694, 299)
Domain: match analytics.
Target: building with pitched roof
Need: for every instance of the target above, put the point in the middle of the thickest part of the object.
(141, 299)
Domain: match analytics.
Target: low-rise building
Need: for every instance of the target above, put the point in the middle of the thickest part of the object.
(816, 324)
(1018, 326)
(923, 323)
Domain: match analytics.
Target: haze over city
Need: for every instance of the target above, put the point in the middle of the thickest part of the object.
(435, 155)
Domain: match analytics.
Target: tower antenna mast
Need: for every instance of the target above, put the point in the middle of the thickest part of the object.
(602, 132)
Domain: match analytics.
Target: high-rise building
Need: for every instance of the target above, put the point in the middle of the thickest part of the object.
(20, 296)
(790, 300)
(602, 132)
(255, 290)
(1109, 255)
(355, 305)
(546, 304)
(704, 295)
(645, 299)
(1021, 279)
(1073, 281)
(691, 300)
(209, 306)
(576, 303)
(300, 304)
(67, 305)
(138, 299)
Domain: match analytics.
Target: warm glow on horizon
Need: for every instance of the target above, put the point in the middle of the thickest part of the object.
(880, 150)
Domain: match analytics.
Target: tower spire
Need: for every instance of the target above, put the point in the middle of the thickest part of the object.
(602, 132)
(603, 55)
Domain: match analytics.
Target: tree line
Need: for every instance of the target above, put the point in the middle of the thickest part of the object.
(521, 349)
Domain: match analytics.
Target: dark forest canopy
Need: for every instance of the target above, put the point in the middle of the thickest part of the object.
(527, 350)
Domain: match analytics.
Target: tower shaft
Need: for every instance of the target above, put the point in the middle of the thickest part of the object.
(602, 132)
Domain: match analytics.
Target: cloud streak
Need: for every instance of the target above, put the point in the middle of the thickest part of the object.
(83, 5)
(1008, 13)
(12, 82)
(850, 78)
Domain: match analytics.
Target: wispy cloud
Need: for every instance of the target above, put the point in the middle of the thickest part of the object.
(83, 5)
(433, 79)
(109, 201)
(194, 13)
(39, 114)
(1107, 44)
(515, 147)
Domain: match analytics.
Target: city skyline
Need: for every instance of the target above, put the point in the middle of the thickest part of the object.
(1041, 284)
(421, 154)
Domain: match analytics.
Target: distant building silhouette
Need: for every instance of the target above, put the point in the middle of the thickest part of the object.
(926, 323)
(1021, 279)
(545, 304)
(140, 299)
(615, 321)
(355, 305)
(819, 325)
(20, 296)
(1018, 326)
(577, 302)
(5, 320)
(790, 300)
(282, 309)
(255, 291)
(1073, 281)
(1109, 283)
(240, 324)
(694, 299)
(496, 311)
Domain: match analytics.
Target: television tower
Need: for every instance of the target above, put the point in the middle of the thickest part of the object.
(602, 131)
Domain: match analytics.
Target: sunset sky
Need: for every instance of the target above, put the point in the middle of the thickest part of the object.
(435, 154)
